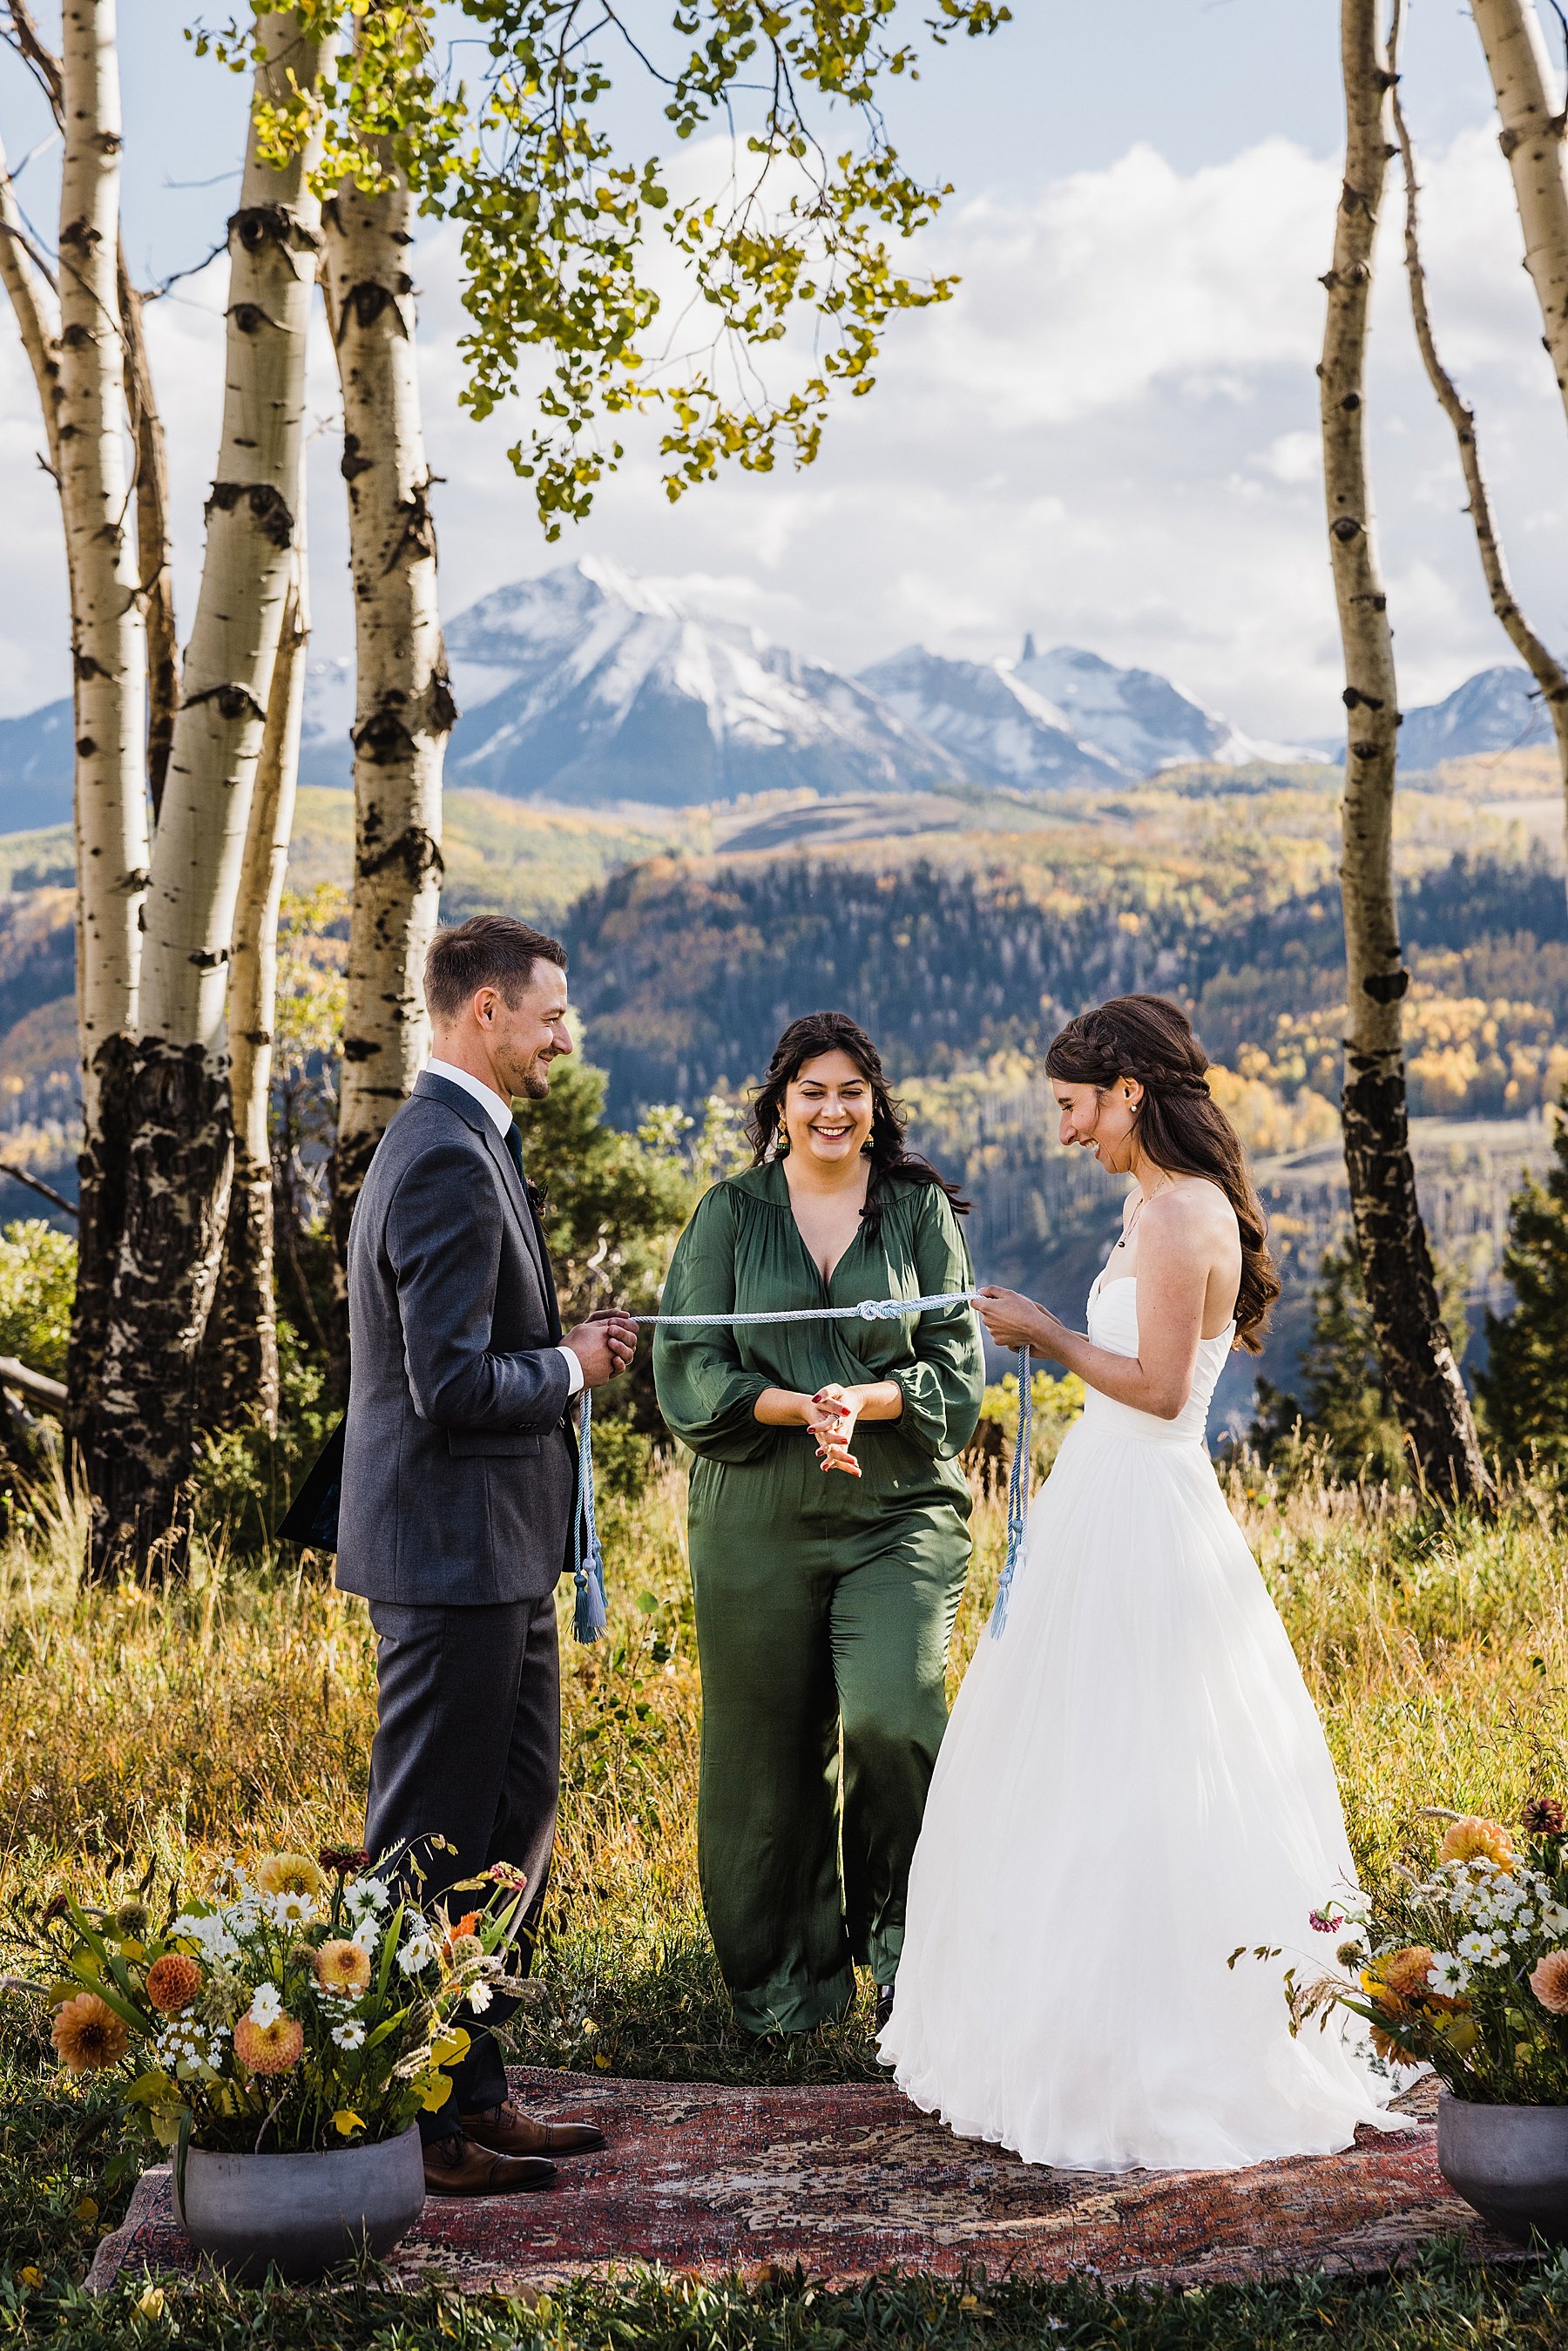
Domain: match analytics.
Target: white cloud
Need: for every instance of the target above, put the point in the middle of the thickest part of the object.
(1109, 438)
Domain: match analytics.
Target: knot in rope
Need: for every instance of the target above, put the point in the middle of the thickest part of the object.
(591, 1611)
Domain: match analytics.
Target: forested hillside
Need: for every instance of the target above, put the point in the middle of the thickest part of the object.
(686, 970)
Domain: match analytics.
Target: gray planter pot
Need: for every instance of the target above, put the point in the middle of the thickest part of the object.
(1509, 2162)
(301, 2213)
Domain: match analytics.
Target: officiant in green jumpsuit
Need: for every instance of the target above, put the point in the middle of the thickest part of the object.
(828, 1523)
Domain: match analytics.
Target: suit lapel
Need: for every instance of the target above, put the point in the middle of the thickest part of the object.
(518, 1200)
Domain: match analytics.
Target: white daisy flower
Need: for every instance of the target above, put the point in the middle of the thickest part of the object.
(350, 2034)
(1447, 1974)
(1554, 1919)
(265, 2005)
(289, 1909)
(1477, 1948)
(479, 1997)
(418, 1951)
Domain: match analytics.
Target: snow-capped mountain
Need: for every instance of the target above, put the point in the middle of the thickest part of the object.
(589, 685)
(997, 727)
(1136, 716)
(1052, 720)
(1497, 710)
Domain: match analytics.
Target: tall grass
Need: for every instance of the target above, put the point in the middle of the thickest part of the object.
(236, 1712)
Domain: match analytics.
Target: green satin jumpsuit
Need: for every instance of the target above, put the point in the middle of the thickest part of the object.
(824, 1602)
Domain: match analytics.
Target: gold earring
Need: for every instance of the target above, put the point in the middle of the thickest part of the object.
(783, 1140)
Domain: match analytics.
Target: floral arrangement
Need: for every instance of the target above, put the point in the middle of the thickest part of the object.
(1463, 1967)
(303, 2003)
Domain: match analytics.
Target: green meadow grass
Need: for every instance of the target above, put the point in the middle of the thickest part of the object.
(234, 1714)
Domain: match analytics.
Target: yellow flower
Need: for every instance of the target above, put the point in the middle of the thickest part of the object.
(342, 1967)
(272, 2048)
(30, 2275)
(289, 1872)
(1549, 1982)
(88, 2035)
(1474, 1839)
(173, 1982)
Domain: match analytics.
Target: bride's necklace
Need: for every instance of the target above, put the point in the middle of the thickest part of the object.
(1141, 1202)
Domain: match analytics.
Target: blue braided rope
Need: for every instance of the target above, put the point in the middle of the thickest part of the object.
(1017, 1494)
(589, 1613)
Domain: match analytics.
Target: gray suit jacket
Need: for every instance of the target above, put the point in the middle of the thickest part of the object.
(459, 1464)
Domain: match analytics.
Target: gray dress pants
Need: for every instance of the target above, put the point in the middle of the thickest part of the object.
(467, 1747)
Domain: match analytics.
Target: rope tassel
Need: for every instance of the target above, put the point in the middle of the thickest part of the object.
(590, 1613)
(1017, 1494)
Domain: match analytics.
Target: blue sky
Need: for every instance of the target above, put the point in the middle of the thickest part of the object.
(1107, 438)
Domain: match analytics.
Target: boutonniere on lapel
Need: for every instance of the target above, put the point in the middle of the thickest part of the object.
(539, 1199)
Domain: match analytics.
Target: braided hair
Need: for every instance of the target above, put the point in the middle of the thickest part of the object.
(1180, 1125)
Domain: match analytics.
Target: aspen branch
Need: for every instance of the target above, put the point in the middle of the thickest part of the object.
(36, 310)
(1548, 671)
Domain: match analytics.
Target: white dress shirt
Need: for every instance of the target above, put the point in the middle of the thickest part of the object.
(500, 1113)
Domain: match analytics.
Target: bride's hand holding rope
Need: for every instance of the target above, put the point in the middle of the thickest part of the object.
(1014, 1320)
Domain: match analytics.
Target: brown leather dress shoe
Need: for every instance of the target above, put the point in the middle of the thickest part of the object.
(458, 2166)
(510, 2133)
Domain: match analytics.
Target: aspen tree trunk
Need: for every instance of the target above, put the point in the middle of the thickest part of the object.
(107, 650)
(1413, 1347)
(153, 554)
(1547, 670)
(1532, 140)
(403, 709)
(140, 1442)
(240, 1366)
(152, 468)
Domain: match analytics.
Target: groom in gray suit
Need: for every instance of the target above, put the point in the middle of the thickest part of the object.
(459, 1480)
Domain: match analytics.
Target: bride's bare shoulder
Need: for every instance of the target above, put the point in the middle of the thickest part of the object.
(1192, 1211)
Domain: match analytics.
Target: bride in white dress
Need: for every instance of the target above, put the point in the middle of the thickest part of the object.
(1135, 1781)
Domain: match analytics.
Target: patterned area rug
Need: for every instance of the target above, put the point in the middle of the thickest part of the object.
(849, 2181)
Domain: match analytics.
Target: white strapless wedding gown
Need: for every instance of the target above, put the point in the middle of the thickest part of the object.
(1133, 1783)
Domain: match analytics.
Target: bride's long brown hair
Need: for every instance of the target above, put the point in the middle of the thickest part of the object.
(1180, 1125)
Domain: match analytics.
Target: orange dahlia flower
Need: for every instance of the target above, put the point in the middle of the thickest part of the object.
(342, 1967)
(1404, 1972)
(173, 1982)
(88, 2035)
(272, 2048)
(1474, 1839)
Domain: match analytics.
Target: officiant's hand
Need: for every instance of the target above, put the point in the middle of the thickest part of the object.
(835, 1412)
(604, 1345)
(1014, 1320)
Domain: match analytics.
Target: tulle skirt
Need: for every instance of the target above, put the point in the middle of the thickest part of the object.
(1133, 1786)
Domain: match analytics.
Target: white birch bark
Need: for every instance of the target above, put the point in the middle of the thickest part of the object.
(274, 239)
(1413, 1347)
(107, 645)
(1524, 86)
(403, 709)
(241, 1385)
(140, 1445)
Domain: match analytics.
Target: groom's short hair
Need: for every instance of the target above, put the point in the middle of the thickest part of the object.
(486, 951)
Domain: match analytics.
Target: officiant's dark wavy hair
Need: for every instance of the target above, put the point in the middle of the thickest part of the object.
(1180, 1124)
(806, 1040)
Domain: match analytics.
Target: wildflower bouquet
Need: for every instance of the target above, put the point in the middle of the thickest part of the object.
(302, 2004)
(1465, 1968)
